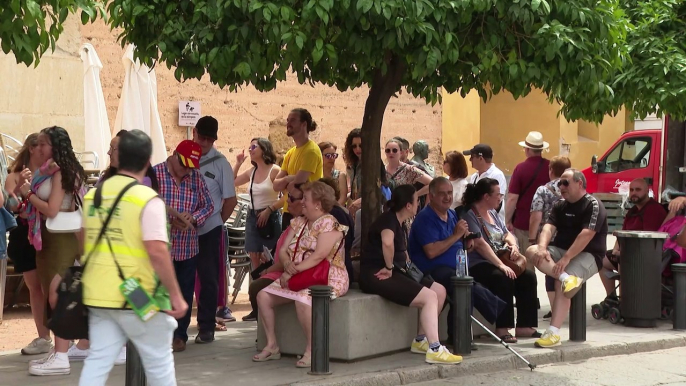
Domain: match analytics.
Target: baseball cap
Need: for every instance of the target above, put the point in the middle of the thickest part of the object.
(480, 150)
(207, 126)
(189, 153)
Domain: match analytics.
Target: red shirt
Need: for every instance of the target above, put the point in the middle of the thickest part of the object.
(521, 177)
(649, 218)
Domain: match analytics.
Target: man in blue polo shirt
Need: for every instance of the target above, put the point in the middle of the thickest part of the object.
(436, 236)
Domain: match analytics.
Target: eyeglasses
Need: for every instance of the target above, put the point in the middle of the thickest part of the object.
(294, 199)
(564, 183)
(331, 155)
(394, 150)
(252, 147)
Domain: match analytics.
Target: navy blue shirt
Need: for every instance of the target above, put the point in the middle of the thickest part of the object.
(428, 228)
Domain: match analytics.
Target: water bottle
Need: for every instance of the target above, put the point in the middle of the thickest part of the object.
(461, 270)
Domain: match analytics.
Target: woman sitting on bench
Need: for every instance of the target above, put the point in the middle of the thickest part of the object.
(386, 250)
(310, 240)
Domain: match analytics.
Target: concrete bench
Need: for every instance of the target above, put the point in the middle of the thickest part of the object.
(361, 326)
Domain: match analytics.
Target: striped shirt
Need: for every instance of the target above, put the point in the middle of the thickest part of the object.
(190, 196)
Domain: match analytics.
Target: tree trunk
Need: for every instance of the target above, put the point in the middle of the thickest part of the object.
(383, 88)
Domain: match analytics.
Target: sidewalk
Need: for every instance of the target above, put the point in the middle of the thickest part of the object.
(228, 360)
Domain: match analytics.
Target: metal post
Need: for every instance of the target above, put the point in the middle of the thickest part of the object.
(3, 283)
(679, 272)
(321, 296)
(462, 301)
(135, 374)
(577, 316)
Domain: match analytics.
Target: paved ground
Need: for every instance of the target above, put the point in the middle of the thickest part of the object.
(665, 367)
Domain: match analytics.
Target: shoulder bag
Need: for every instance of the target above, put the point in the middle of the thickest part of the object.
(69, 319)
(503, 251)
(268, 231)
(317, 275)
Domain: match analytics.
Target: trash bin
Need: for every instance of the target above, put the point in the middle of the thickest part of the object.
(640, 275)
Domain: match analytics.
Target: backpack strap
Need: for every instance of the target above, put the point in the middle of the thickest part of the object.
(210, 160)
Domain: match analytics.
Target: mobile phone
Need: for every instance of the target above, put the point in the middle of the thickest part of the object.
(140, 301)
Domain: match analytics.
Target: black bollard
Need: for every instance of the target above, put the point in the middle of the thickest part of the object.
(462, 301)
(135, 374)
(321, 296)
(577, 316)
(679, 272)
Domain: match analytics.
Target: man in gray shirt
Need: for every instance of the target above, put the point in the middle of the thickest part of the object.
(218, 175)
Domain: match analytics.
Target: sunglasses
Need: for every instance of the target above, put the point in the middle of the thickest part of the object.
(331, 156)
(252, 147)
(564, 183)
(388, 151)
(292, 199)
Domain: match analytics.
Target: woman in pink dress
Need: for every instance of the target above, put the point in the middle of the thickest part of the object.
(310, 239)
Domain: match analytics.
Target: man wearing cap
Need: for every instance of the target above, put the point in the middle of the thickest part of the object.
(526, 178)
(481, 158)
(218, 175)
(183, 188)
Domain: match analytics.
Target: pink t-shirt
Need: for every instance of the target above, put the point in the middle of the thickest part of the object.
(279, 243)
(154, 221)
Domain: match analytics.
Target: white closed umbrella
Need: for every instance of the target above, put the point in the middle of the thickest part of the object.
(138, 104)
(98, 134)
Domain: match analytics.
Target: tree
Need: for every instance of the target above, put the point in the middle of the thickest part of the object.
(29, 28)
(576, 51)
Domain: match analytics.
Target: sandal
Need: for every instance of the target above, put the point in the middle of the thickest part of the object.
(304, 362)
(273, 355)
(219, 327)
(507, 338)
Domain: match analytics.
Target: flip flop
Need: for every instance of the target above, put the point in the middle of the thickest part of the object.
(304, 362)
(273, 355)
(507, 338)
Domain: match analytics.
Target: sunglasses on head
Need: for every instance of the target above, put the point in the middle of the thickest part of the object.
(394, 150)
(331, 156)
(252, 147)
(564, 183)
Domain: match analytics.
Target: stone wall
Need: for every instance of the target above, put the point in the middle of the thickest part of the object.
(250, 113)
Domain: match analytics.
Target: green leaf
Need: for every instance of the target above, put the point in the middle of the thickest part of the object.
(317, 55)
(299, 42)
(364, 5)
(267, 14)
(84, 18)
(243, 69)
(535, 4)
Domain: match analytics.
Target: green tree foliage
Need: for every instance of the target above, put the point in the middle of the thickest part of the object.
(29, 28)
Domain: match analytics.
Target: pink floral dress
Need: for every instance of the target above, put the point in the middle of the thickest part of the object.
(338, 276)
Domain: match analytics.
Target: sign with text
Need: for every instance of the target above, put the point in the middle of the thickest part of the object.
(189, 113)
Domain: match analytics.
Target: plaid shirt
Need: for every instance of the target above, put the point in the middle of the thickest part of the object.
(190, 196)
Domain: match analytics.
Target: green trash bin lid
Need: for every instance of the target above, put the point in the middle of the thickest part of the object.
(642, 234)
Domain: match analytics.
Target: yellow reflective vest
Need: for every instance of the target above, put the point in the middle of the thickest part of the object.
(101, 278)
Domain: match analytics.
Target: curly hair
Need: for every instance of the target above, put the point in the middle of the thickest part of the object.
(73, 175)
(21, 161)
(349, 156)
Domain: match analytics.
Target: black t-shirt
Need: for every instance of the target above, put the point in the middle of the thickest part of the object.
(372, 254)
(571, 218)
(344, 218)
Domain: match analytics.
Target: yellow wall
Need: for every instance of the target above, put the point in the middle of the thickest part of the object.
(503, 122)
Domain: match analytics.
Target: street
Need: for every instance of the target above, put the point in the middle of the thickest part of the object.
(664, 367)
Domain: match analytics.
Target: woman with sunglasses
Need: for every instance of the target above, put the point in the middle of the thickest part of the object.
(400, 173)
(330, 156)
(352, 155)
(263, 199)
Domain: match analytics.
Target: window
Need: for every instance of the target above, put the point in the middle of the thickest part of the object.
(633, 153)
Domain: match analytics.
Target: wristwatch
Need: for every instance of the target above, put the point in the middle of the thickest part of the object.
(391, 268)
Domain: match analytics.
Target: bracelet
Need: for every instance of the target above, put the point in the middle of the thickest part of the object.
(28, 195)
(270, 209)
(390, 269)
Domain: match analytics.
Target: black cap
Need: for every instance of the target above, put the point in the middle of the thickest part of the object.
(480, 150)
(207, 126)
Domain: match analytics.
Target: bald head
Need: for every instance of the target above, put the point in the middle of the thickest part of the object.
(638, 192)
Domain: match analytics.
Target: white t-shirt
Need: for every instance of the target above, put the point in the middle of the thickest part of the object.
(459, 187)
(154, 221)
(496, 174)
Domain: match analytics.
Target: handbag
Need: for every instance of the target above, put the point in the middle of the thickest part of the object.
(317, 275)
(412, 271)
(69, 319)
(268, 231)
(503, 252)
(66, 222)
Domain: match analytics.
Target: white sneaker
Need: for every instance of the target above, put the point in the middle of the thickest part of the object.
(121, 358)
(42, 360)
(38, 346)
(54, 365)
(76, 354)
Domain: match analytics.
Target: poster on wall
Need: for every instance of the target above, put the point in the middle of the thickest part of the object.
(189, 113)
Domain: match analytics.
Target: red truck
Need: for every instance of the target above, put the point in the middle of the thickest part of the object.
(654, 154)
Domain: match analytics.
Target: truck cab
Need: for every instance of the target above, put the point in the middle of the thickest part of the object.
(636, 154)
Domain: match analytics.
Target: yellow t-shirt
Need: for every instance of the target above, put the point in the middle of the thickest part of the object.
(307, 157)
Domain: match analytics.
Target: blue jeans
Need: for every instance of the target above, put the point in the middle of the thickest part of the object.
(185, 275)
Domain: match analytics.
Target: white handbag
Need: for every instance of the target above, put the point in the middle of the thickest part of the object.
(65, 222)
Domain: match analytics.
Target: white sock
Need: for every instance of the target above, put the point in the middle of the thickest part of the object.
(554, 330)
(563, 276)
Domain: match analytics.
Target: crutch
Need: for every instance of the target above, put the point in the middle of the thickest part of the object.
(491, 333)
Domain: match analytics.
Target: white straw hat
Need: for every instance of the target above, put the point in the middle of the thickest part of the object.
(534, 140)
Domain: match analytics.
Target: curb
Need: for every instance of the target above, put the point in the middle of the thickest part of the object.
(423, 373)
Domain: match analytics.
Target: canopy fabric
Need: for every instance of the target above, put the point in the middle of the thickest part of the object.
(97, 126)
(138, 104)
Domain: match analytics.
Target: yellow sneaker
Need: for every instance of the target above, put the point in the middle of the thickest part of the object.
(442, 357)
(571, 283)
(548, 340)
(420, 347)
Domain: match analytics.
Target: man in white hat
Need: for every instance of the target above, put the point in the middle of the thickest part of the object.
(526, 178)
